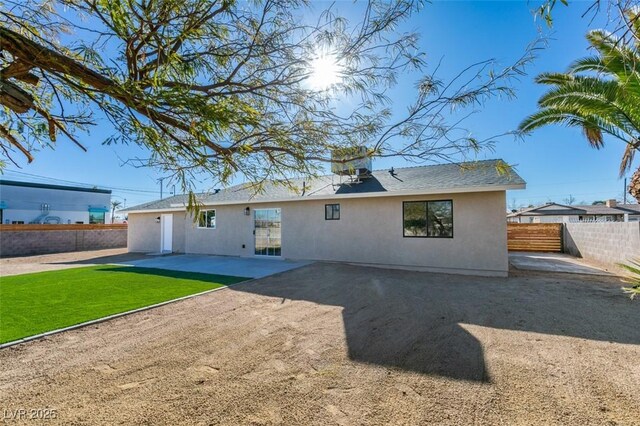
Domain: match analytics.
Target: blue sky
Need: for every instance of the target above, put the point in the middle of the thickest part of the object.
(556, 162)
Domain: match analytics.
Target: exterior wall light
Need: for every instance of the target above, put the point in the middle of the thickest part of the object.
(247, 211)
(158, 219)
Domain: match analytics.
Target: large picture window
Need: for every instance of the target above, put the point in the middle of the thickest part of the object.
(207, 219)
(428, 219)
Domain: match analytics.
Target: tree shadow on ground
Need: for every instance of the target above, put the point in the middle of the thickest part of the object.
(415, 321)
(103, 260)
(170, 273)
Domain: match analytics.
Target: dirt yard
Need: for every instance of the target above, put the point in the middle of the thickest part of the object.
(51, 262)
(340, 344)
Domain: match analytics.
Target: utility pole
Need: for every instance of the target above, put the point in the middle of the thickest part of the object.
(160, 180)
(624, 191)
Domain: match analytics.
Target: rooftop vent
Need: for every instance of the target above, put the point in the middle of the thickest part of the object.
(351, 162)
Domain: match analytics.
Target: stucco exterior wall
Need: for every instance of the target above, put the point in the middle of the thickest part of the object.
(144, 233)
(179, 226)
(24, 204)
(66, 217)
(369, 231)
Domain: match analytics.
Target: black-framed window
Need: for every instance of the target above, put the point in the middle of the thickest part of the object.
(432, 219)
(332, 211)
(207, 219)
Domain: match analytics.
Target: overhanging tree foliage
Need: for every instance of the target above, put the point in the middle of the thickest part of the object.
(226, 87)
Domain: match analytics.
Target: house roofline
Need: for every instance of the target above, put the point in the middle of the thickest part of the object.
(50, 186)
(489, 188)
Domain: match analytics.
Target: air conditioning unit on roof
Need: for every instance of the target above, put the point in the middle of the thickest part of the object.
(351, 162)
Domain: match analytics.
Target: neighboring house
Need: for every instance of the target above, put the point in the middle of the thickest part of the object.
(444, 218)
(28, 202)
(559, 213)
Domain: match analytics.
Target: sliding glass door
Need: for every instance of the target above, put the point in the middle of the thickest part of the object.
(267, 229)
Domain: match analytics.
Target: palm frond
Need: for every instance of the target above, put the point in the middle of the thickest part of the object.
(627, 157)
(593, 134)
(599, 94)
(634, 268)
(554, 78)
(542, 118)
(633, 17)
(590, 63)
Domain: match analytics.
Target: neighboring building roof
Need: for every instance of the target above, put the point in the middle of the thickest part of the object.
(49, 186)
(554, 209)
(433, 179)
(635, 208)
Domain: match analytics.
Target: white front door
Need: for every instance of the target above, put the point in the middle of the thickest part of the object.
(166, 233)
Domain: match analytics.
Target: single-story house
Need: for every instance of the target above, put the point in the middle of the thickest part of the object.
(32, 202)
(442, 218)
(611, 211)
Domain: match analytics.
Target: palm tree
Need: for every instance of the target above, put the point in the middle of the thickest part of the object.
(600, 94)
(114, 205)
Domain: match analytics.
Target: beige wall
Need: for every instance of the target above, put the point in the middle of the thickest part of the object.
(179, 227)
(369, 231)
(144, 233)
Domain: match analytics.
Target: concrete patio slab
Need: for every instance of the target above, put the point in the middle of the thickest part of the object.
(553, 262)
(221, 265)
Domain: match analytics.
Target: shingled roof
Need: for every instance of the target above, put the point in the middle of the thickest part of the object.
(554, 209)
(432, 179)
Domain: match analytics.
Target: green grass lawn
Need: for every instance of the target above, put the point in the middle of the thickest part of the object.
(35, 303)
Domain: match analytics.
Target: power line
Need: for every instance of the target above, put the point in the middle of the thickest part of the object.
(134, 190)
(574, 182)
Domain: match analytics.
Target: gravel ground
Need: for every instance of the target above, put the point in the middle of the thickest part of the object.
(339, 344)
(51, 262)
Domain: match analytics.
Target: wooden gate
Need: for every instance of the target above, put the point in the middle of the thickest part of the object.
(534, 237)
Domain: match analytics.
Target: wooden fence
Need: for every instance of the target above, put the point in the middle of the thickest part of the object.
(545, 237)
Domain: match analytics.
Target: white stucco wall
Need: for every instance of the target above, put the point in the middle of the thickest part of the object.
(23, 203)
(369, 231)
(10, 215)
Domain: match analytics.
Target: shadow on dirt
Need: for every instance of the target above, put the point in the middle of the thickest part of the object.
(416, 321)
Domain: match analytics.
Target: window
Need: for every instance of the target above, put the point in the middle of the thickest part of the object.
(428, 219)
(207, 219)
(332, 212)
(96, 217)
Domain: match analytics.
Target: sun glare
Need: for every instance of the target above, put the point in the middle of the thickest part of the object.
(325, 72)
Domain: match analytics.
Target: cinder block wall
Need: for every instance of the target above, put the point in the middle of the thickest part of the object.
(31, 242)
(607, 243)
